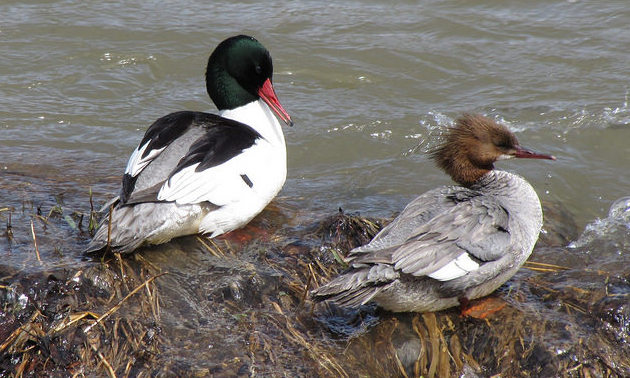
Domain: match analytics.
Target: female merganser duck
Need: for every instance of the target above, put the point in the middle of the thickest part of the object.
(453, 243)
(197, 172)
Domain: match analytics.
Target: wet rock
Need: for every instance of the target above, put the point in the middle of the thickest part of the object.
(559, 227)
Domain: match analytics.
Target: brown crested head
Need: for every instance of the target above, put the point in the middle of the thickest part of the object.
(472, 146)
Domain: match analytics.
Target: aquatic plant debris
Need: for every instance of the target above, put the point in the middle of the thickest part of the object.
(232, 307)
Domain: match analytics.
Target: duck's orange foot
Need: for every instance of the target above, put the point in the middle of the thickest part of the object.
(245, 235)
(481, 308)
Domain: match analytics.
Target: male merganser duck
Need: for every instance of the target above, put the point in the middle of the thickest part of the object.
(197, 172)
(453, 243)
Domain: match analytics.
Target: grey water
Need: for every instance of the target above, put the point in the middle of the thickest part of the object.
(369, 84)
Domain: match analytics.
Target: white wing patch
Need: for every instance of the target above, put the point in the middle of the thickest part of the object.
(223, 184)
(217, 185)
(455, 268)
(137, 163)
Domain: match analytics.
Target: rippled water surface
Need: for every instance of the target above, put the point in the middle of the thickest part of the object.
(364, 81)
(369, 84)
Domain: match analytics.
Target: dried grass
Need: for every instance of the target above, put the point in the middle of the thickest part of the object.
(116, 333)
(80, 341)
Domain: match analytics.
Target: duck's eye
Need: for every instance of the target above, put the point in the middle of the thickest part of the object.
(505, 145)
(258, 69)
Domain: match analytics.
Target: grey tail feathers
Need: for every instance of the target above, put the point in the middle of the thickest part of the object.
(124, 242)
(350, 290)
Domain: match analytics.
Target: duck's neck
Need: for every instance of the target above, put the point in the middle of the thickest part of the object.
(453, 159)
(257, 115)
(465, 173)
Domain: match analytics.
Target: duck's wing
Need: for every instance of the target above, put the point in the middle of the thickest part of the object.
(451, 244)
(164, 143)
(468, 237)
(214, 165)
(418, 212)
(164, 132)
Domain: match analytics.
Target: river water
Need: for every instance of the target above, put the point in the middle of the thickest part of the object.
(365, 82)
(369, 85)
